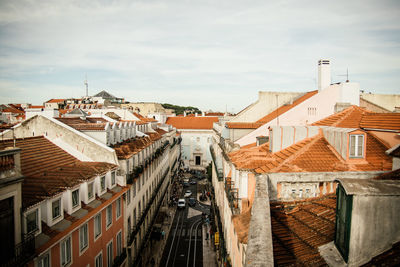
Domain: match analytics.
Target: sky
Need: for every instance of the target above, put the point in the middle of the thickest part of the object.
(214, 54)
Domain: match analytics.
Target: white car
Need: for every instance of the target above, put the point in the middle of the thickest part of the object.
(188, 193)
(181, 203)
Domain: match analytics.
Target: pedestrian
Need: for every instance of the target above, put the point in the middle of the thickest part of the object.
(207, 236)
(162, 234)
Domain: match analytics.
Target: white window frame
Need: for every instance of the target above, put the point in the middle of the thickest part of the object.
(82, 236)
(105, 184)
(100, 229)
(36, 211)
(110, 260)
(70, 252)
(118, 208)
(356, 146)
(72, 198)
(118, 239)
(113, 179)
(109, 221)
(128, 196)
(60, 209)
(41, 258)
(90, 185)
(101, 261)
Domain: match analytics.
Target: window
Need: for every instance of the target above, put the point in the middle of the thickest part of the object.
(343, 221)
(32, 224)
(128, 196)
(109, 215)
(98, 262)
(75, 198)
(113, 178)
(118, 204)
(56, 208)
(119, 244)
(103, 183)
(110, 254)
(198, 160)
(356, 146)
(44, 261)
(97, 225)
(90, 190)
(65, 248)
(83, 237)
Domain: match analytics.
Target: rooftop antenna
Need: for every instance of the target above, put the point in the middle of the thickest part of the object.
(87, 85)
(347, 75)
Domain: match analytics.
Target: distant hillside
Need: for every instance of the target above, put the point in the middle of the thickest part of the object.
(180, 109)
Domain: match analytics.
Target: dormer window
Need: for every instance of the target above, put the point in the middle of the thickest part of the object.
(103, 183)
(75, 198)
(356, 149)
(90, 191)
(56, 208)
(32, 224)
(112, 178)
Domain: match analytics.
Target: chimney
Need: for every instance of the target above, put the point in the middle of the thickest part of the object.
(262, 140)
(184, 113)
(202, 114)
(324, 74)
(195, 114)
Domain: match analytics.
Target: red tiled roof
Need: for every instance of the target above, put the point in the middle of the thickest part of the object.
(54, 100)
(387, 121)
(32, 106)
(192, 122)
(243, 125)
(299, 228)
(11, 109)
(131, 147)
(161, 131)
(348, 118)
(272, 115)
(154, 136)
(88, 124)
(49, 170)
(310, 155)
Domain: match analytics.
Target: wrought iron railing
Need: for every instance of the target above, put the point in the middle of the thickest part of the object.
(218, 169)
(23, 252)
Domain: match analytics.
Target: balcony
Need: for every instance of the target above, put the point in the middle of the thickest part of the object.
(23, 252)
(136, 228)
(232, 195)
(218, 169)
(119, 260)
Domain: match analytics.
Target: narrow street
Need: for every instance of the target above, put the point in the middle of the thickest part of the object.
(184, 246)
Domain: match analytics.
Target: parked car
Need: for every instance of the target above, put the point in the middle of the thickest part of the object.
(181, 203)
(192, 202)
(193, 182)
(188, 193)
(186, 184)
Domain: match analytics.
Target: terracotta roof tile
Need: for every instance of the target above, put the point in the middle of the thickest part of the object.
(160, 131)
(87, 124)
(243, 125)
(49, 170)
(299, 228)
(310, 155)
(192, 122)
(130, 147)
(54, 100)
(387, 121)
(348, 118)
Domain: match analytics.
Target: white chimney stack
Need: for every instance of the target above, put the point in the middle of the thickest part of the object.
(324, 74)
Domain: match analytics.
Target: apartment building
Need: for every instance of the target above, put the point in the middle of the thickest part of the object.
(295, 163)
(145, 160)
